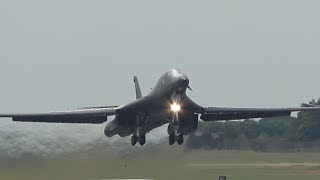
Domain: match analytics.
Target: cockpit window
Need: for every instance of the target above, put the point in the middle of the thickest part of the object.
(174, 73)
(181, 72)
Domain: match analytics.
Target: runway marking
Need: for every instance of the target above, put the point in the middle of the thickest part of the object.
(255, 165)
(121, 179)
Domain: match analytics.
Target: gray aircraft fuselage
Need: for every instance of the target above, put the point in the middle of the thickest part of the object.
(160, 98)
(155, 108)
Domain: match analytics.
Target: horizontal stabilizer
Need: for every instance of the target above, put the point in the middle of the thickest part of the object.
(309, 105)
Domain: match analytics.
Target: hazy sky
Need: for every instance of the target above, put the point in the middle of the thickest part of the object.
(57, 55)
(65, 54)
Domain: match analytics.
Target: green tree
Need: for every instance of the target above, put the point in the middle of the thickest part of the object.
(274, 127)
(309, 127)
(261, 142)
(250, 128)
(194, 142)
(231, 129)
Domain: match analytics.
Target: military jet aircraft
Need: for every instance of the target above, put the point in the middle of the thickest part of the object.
(166, 103)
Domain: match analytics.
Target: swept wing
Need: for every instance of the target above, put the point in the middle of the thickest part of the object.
(94, 115)
(233, 113)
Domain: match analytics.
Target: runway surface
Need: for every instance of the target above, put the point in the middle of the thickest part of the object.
(260, 165)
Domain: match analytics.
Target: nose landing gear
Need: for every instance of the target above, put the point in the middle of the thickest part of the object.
(142, 139)
(173, 128)
(180, 139)
(173, 138)
(175, 135)
(134, 140)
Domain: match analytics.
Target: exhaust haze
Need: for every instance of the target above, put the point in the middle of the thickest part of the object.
(36, 140)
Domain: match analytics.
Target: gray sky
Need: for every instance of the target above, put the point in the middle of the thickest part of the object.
(57, 55)
(65, 54)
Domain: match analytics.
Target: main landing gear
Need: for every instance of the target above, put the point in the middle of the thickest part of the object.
(141, 139)
(173, 138)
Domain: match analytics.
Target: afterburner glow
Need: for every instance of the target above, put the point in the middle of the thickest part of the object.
(175, 107)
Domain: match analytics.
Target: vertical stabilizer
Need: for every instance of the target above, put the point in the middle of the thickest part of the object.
(137, 86)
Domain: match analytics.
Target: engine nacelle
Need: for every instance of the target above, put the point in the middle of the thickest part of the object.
(112, 128)
(123, 125)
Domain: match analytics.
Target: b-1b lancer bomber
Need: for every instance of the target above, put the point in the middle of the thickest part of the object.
(166, 103)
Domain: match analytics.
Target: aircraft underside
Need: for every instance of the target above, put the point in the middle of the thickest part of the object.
(127, 125)
(181, 122)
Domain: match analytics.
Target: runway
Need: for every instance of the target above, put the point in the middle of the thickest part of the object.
(258, 165)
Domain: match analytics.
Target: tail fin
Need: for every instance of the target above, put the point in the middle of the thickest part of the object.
(137, 86)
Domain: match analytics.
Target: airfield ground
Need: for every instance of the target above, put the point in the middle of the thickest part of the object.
(170, 164)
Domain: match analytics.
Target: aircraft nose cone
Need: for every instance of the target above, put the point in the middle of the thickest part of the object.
(184, 81)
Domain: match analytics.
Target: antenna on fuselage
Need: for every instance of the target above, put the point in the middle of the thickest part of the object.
(137, 87)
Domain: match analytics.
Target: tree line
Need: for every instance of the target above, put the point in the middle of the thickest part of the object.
(256, 134)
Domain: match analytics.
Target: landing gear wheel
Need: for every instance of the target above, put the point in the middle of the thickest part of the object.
(180, 139)
(142, 139)
(134, 140)
(172, 138)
